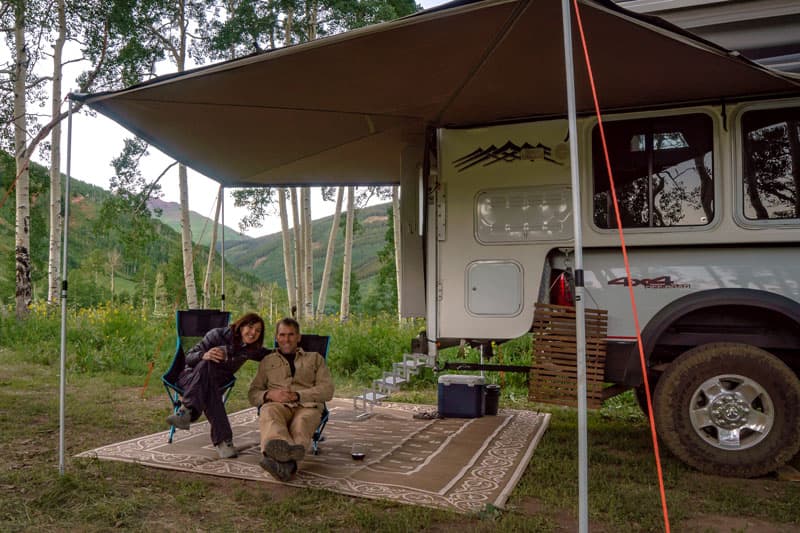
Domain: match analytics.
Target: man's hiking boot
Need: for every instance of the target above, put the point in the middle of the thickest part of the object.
(226, 450)
(283, 452)
(280, 471)
(182, 419)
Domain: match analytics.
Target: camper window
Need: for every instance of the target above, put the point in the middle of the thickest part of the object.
(663, 172)
(523, 214)
(771, 164)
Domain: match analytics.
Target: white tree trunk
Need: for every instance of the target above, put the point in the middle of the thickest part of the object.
(114, 262)
(22, 236)
(326, 271)
(291, 289)
(344, 308)
(186, 240)
(298, 254)
(397, 257)
(54, 254)
(308, 254)
(159, 295)
(211, 249)
(183, 180)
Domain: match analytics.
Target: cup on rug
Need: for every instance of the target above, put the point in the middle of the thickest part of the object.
(359, 451)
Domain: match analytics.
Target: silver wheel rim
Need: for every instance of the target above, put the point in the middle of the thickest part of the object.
(731, 412)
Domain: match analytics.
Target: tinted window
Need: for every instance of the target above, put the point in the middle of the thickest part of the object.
(771, 166)
(663, 172)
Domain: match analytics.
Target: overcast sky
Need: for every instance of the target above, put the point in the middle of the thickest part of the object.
(96, 140)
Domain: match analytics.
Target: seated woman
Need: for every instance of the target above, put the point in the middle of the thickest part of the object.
(211, 364)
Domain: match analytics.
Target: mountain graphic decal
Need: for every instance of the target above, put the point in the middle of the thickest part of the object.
(507, 153)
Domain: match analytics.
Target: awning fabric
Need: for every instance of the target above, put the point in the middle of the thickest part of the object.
(339, 110)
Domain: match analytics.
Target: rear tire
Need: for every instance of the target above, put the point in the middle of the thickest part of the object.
(641, 397)
(729, 409)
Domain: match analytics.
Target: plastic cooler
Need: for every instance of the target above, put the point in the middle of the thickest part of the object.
(461, 396)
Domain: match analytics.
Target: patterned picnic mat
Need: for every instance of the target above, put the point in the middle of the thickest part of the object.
(453, 463)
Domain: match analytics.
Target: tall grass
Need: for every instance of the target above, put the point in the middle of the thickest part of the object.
(363, 347)
(118, 337)
(127, 339)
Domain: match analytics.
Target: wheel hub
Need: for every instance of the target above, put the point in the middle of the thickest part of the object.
(729, 411)
(732, 412)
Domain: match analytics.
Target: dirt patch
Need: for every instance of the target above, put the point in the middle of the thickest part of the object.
(564, 520)
(375, 219)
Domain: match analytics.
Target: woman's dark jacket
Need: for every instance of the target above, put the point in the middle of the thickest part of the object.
(237, 355)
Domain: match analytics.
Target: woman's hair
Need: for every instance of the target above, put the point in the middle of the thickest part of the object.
(288, 322)
(247, 320)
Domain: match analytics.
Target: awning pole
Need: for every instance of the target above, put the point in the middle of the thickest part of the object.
(221, 200)
(62, 381)
(580, 326)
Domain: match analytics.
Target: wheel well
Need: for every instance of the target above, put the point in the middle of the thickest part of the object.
(748, 316)
(768, 329)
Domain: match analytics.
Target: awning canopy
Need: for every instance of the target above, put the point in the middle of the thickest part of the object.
(339, 110)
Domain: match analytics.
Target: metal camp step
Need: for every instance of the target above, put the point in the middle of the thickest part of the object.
(367, 400)
(372, 396)
(391, 381)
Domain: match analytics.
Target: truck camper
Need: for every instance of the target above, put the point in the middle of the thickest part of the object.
(708, 200)
(465, 106)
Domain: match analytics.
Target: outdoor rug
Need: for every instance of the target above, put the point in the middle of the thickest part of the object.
(451, 463)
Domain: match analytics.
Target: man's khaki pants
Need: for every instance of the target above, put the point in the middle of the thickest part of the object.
(296, 425)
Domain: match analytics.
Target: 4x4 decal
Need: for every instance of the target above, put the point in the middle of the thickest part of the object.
(661, 282)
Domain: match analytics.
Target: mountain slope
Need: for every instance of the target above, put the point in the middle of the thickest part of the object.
(201, 225)
(263, 256)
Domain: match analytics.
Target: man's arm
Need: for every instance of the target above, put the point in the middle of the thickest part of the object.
(322, 391)
(259, 386)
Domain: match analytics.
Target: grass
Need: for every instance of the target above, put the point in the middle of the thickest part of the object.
(106, 405)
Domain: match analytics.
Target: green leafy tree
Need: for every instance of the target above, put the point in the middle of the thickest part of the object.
(382, 297)
(354, 294)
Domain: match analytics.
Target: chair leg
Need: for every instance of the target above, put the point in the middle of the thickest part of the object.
(171, 434)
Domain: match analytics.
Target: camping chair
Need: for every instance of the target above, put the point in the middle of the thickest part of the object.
(192, 324)
(319, 344)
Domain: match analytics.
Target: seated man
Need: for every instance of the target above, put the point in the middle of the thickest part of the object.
(290, 388)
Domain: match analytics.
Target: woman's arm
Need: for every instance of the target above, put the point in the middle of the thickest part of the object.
(215, 337)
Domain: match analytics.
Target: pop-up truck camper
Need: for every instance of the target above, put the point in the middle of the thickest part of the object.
(464, 106)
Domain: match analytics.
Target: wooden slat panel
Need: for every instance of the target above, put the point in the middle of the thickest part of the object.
(553, 376)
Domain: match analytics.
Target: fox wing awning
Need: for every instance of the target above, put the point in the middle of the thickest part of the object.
(340, 110)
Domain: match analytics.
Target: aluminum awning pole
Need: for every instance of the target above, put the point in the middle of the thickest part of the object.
(221, 200)
(62, 369)
(580, 326)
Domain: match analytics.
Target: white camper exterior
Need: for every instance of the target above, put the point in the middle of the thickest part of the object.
(711, 215)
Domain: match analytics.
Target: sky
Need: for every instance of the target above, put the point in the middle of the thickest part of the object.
(96, 140)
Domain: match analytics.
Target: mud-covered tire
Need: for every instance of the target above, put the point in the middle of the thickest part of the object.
(641, 397)
(729, 409)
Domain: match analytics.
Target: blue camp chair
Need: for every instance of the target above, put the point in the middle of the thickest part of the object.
(316, 343)
(191, 326)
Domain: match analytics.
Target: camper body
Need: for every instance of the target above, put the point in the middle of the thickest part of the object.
(711, 216)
